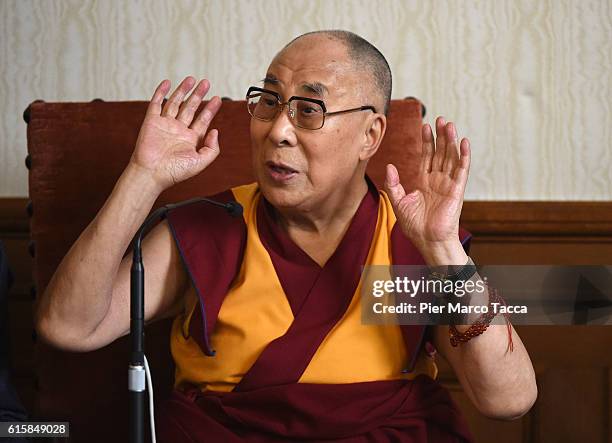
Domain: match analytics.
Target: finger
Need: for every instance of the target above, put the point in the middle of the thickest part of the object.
(438, 158)
(427, 149)
(451, 159)
(394, 188)
(158, 97)
(189, 107)
(210, 149)
(202, 121)
(463, 169)
(171, 107)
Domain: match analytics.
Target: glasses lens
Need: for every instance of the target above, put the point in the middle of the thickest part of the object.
(308, 115)
(262, 105)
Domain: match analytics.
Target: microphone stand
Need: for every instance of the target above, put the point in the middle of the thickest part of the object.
(136, 368)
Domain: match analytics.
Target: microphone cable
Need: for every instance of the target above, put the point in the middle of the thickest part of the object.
(151, 402)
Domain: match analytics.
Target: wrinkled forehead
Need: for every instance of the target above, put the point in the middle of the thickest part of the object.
(313, 67)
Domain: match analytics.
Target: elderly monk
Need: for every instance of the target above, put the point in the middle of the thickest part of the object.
(267, 336)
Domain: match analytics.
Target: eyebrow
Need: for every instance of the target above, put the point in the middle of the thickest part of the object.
(316, 88)
(271, 80)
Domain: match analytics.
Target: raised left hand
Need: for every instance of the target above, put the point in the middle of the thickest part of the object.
(429, 214)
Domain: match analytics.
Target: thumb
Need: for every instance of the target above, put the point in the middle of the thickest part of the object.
(393, 186)
(210, 149)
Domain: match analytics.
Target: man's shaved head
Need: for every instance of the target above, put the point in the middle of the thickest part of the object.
(365, 57)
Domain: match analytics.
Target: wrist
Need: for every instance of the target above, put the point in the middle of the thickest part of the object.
(446, 253)
(143, 179)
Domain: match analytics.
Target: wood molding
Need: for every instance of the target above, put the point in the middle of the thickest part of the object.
(499, 218)
(538, 218)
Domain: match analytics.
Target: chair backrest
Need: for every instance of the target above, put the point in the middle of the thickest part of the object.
(76, 152)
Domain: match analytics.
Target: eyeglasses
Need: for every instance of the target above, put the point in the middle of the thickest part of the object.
(306, 113)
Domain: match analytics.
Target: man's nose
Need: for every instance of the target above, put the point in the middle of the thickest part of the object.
(282, 132)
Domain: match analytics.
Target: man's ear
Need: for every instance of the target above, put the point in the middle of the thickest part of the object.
(375, 128)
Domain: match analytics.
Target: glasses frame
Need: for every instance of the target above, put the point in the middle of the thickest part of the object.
(282, 104)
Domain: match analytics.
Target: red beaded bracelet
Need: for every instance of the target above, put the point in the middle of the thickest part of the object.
(482, 323)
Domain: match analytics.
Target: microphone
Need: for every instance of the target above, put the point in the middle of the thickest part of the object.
(136, 368)
(234, 209)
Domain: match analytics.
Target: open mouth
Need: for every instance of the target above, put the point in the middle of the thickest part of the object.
(280, 171)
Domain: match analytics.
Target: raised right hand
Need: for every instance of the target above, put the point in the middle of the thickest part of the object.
(173, 145)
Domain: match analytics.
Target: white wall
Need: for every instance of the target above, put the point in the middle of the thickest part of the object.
(529, 82)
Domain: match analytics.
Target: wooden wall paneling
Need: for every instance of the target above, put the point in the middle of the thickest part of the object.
(573, 363)
(571, 400)
(569, 360)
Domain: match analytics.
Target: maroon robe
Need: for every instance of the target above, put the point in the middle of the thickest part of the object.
(269, 405)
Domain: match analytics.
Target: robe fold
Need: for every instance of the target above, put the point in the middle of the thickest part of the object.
(271, 346)
(417, 410)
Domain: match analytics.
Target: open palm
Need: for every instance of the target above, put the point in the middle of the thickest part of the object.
(172, 144)
(430, 213)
